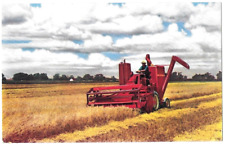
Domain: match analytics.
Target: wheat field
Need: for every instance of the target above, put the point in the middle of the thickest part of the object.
(58, 113)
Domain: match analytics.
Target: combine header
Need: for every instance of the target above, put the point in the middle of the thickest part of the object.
(135, 90)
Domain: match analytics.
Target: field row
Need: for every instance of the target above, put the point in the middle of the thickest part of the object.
(39, 112)
(43, 90)
(162, 125)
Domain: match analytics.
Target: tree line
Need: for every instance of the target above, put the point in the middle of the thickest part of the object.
(86, 78)
(175, 76)
(24, 76)
(57, 77)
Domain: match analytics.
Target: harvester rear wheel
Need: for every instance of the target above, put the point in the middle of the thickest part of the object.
(155, 101)
(167, 103)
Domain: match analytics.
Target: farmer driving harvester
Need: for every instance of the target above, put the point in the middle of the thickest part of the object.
(144, 70)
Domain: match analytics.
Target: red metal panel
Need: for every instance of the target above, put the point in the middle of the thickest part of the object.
(121, 73)
(149, 63)
(127, 72)
(161, 79)
(124, 72)
(170, 69)
(132, 80)
(118, 87)
(122, 102)
(153, 75)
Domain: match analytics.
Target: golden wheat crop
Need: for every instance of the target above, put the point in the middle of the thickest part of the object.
(185, 90)
(58, 113)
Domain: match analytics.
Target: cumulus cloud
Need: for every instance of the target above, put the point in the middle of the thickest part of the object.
(54, 28)
(96, 43)
(168, 11)
(50, 62)
(171, 40)
(206, 16)
(129, 25)
(16, 14)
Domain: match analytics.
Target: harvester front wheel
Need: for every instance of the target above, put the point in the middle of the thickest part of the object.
(155, 101)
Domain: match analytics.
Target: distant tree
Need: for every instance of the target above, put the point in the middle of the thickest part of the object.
(87, 77)
(30, 77)
(79, 79)
(36, 76)
(209, 77)
(173, 76)
(20, 76)
(219, 76)
(64, 77)
(198, 77)
(177, 76)
(56, 77)
(43, 76)
(99, 77)
(113, 79)
(203, 77)
(3, 78)
(107, 79)
(180, 76)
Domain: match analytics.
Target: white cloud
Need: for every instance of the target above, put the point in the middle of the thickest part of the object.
(100, 60)
(54, 26)
(17, 60)
(15, 14)
(207, 16)
(173, 40)
(98, 42)
(129, 25)
(209, 41)
(48, 44)
(175, 11)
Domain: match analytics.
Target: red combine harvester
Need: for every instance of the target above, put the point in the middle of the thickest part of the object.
(135, 90)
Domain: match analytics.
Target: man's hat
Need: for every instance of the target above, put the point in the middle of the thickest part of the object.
(143, 61)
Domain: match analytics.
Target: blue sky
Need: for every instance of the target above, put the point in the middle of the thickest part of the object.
(115, 37)
(200, 3)
(70, 36)
(35, 5)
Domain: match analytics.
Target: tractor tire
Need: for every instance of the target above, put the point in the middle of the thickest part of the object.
(166, 103)
(149, 106)
(155, 101)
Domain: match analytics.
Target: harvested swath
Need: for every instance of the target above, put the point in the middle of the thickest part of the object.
(45, 125)
(212, 132)
(48, 111)
(164, 128)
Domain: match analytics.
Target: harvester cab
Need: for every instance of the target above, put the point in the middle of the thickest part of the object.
(135, 90)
